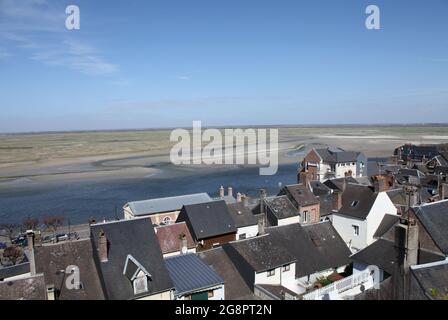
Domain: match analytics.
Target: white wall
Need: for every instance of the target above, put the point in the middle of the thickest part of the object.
(341, 169)
(176, 253)
(344, 226)
(286, 221)
(250, 231)
(382, 206)
(283, 278)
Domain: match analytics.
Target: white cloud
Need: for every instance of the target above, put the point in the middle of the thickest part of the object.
(38, 27)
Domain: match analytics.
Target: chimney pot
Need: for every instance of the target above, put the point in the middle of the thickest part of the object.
(221, 192)
(230, 191)
(239, 197)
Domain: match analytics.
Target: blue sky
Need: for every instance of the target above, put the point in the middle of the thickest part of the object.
(148, 63)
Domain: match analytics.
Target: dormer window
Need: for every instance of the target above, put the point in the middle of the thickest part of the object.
(137, 274)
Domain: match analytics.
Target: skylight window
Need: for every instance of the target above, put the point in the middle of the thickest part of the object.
(355, 203)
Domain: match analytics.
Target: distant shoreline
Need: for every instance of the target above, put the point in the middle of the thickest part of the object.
(348, 125)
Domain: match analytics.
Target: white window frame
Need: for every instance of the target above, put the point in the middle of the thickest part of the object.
(355, 229)
(270, 273)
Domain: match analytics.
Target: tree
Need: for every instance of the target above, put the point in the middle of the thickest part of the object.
(30, 223)
(53, 223)
(13, 254)
(11, 229)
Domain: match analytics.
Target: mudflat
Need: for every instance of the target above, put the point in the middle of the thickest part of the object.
(105, 154)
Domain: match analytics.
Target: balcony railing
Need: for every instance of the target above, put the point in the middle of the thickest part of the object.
(340, 286)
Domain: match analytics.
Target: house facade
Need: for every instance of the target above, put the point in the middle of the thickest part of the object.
(361, 212)
(329, 163)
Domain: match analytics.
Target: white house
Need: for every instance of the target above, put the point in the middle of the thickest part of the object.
(330, 163)
(245, 220)
(362, 210)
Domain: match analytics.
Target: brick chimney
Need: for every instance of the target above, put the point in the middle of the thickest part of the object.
(230, 191)
(304, 178)
(337, 200)
(262, 220)
(103, 247)
(221, 192)
(406, 244)
(379, 183)
(239, 197)
(30, 238)
(183, 244)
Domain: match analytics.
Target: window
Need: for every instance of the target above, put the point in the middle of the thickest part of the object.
(140, 284)
(286, 268)
(242, 236)
(306, 216)
(355, 203)
(271, 272)
(356, 230)
(215, 245)
(167, 220)
(211, 293)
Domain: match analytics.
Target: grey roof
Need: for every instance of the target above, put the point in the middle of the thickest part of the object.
(242, 215)
(13, 271)
(357, 200)
(338, 183)
(434, 218)
(51, 259)
(190, 274)
(337, 155)
(319, 188)
(432, 277)
(134, 237)
(207, 220)
(31, 288)
(152, 206)
(281, 207)
(235, 286)
(314, 248)
(262, 253)
(389, 220)
(299, 194)
(384, 254)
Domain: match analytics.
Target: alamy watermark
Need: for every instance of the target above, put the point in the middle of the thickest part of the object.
(228, 146)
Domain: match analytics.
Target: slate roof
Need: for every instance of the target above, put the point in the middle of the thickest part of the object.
(13, 271)
(384, 254)
(314, 247)
(52, 258)
(235, 286)
(31, 288)
(262, 253)
(133, 237)
(281, 207)
(190, 274)
(338, 183)
(242, 215)
(357, 200)
(300, 195)
(434, 218)
(169, 237)
(433, 276)
(319, 188)
(389, 220)
(208, 219)
(337, 155)
(152, 206)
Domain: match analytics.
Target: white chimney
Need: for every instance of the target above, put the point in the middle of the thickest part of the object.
(221, 192)
(239, 197)
(230, 191)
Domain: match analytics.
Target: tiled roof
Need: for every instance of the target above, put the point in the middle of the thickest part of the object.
(169, 237)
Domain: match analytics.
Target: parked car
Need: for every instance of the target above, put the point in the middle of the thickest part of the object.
(20, 240)
(3, 245)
